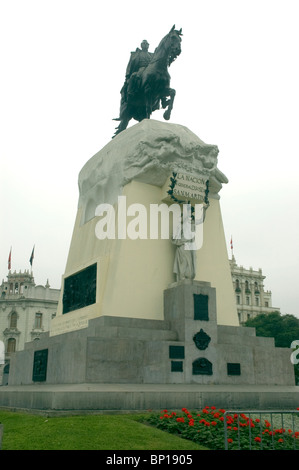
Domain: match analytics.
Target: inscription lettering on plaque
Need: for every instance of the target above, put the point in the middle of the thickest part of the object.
(40, 363)
(233, 368)
(80, 289)
(202, 366)
(201, 307)
(186, 187)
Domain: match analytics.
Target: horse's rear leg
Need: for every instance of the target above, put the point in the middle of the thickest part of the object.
(171, 94)
(148, 101)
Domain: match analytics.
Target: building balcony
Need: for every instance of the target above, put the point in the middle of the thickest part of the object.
(11, 331)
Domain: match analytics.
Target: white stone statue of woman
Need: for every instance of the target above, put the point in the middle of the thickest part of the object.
(184, 266)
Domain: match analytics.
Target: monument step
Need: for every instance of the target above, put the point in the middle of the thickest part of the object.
(129, 322)
(243, 336)
(142, 334)
(121, 398)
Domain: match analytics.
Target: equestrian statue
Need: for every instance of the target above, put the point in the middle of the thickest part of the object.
(147, 81)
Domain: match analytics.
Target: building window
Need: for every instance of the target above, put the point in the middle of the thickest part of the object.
(247, 300)
(13, 320)
(238, 300)
(38, 320)
(11, 345)
(266, 304)
(257, 301)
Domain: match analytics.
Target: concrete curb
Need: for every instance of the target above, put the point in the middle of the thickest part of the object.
(142, 397)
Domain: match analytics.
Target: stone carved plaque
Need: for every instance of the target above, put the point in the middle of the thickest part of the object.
(184, 188)
(201, 307)
(80, 289)
(201, 340)
(202, 366)
(40, 363)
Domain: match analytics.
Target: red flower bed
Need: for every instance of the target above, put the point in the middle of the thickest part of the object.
(206, 426)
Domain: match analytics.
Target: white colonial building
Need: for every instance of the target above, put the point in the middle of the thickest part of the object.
(26, 310)
(251, 298)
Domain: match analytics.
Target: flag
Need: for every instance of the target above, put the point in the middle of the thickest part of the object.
(9, 260)
(32, 256)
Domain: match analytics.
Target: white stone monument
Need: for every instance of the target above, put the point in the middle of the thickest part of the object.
(136, 312)
(135, 168)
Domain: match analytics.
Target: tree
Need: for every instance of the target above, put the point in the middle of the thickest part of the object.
(283, 328)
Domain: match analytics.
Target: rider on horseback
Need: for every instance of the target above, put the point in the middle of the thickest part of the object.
(138, 61)
(147, 81)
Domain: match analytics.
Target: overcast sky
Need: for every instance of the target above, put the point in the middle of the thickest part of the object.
(62, 67)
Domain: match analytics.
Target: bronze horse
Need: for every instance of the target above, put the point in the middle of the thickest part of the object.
(149, 87)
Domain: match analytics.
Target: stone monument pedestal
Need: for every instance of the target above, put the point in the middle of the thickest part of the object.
(123, 322)
(187, 347)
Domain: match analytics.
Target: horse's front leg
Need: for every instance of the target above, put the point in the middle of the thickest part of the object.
(122, 126)
(171, 93)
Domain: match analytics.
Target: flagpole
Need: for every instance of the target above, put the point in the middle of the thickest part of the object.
(9, 261)
(31, 259)
(231, 246)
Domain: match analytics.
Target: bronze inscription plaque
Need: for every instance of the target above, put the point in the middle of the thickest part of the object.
(80, 289)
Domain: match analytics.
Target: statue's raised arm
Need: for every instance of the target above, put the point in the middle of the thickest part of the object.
(147, 81)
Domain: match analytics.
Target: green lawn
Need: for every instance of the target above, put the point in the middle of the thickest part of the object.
(23, 431)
